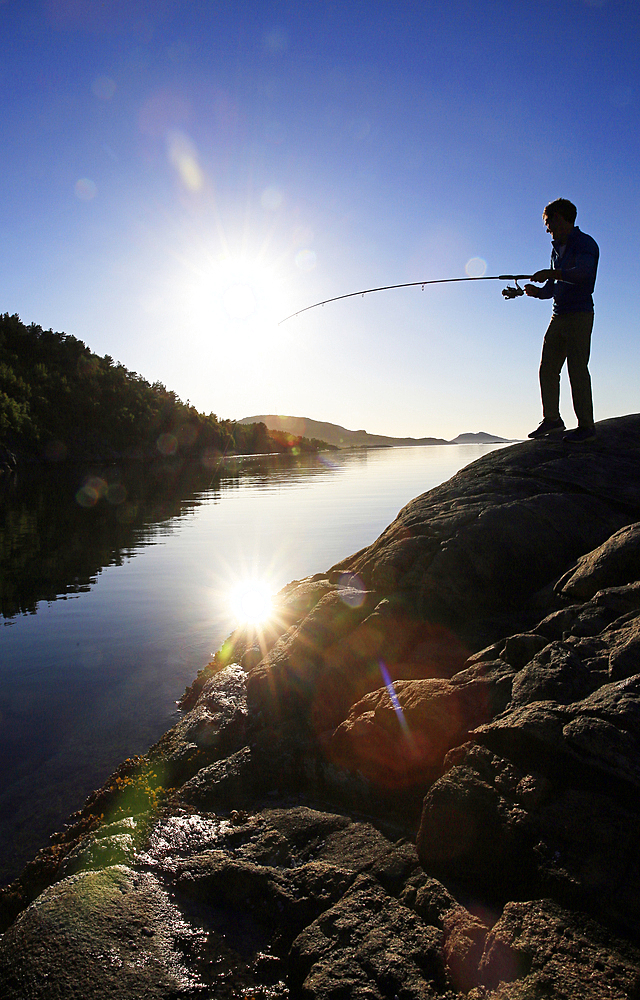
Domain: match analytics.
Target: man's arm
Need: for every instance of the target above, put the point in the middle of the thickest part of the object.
(584, 272)
(549, 276)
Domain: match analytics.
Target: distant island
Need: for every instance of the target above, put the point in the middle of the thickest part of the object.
(340, 437)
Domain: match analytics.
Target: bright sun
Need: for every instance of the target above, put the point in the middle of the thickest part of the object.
(251, 602)
(237, 290)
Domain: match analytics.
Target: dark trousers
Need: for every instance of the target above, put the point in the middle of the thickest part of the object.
(568, 338)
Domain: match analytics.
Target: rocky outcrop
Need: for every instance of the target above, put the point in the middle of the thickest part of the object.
(420, 780)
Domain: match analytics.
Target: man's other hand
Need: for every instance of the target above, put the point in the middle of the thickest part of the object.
(546, 275)
(532, 290)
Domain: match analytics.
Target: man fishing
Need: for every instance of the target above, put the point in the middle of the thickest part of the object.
(569, 281)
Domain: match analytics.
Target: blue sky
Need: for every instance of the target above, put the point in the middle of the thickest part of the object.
(180, 174)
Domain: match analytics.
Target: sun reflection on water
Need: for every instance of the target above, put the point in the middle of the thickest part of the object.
(251, 602)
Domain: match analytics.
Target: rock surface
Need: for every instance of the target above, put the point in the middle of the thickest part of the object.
(419, 780)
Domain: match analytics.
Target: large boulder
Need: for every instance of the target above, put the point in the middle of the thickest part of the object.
(398, 735)
(540, 949)
(615, 562)
(368, 945)
(107, 933)
(505, 527)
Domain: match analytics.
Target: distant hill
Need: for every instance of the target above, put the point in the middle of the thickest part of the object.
(342, 438)
(59, 400)
(480, 438)
(333, 433)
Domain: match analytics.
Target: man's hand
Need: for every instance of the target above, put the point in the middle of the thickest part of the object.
(532, 291)
(546, 275)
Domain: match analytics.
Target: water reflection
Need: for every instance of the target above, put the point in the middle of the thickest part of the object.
(60, 528)
(86, 682)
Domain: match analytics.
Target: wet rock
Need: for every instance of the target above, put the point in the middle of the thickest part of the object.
(226, 784)
(215, 727)
(278, 903)
(114, 844)
(283, 837)
(103, 933)
(248, 646)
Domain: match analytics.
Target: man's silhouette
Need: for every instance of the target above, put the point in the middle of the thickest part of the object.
(569, 281)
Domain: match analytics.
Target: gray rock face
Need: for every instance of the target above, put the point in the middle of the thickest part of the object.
(422, 780)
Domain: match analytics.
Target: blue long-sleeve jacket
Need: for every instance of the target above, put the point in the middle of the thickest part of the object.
(578, 266)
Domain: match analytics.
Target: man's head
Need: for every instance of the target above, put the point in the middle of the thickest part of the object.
(559, 217)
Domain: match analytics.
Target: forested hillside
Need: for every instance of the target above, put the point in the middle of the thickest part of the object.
(60, 401)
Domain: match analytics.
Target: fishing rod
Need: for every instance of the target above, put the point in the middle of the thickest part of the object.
(509, 292)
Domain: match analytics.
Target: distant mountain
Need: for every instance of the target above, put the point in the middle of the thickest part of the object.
(342, 438)
(480, 438)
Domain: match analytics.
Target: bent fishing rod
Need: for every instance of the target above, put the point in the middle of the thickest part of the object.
(508, 292)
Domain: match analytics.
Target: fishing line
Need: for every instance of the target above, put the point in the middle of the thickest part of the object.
(509, 292)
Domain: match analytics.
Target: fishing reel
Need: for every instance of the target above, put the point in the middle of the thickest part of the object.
(512, 293)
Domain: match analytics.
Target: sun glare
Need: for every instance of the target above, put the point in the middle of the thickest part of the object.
(251, 602)
(237, 290)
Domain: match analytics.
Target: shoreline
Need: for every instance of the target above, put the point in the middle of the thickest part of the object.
(505, 609)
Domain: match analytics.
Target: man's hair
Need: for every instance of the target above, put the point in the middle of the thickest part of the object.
(563, 207)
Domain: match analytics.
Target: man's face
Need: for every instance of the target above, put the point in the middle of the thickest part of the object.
(558, 226)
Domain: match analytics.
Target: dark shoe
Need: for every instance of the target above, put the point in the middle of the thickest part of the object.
(580, 434)
(547, 427)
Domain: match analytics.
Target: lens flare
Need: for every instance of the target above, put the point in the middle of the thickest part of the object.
(276, 41)
(167, 444)
(306, 260)
(351, 590)
(395, 701)
(237, 289)
(476, 267)
(85, 189)
(90, 492)
(183, 157)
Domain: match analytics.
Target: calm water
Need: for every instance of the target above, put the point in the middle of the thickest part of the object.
(115, 591)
